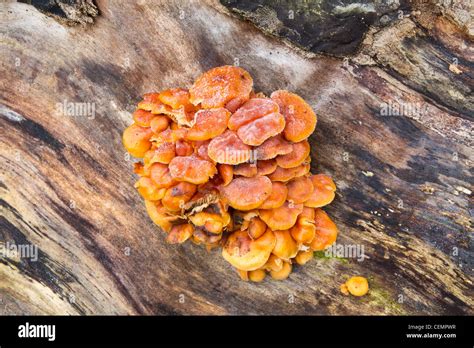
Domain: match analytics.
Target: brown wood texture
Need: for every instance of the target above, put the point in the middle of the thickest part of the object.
(403, 182)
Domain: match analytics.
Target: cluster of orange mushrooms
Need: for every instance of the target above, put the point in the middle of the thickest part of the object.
(225, 166)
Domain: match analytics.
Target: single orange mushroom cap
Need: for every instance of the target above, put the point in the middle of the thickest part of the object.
(323, 193)
(219, 86)
(277, 198)
(208, 124)
(300, 117)
(326, 231)
(227, 148)
(136, 140)
(247, 254)
(247, 193)
(298, 155)
(191, 169)
(299, 189)
(282, 218)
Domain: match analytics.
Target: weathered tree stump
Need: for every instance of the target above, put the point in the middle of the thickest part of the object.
(394, 130)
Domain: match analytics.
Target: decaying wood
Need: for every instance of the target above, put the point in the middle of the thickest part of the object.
(404, 182)
(69, 12)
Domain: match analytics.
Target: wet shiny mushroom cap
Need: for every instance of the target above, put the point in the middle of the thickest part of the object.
(247, 254)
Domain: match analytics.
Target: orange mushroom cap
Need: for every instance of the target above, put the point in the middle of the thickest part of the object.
(282, 218)
(136, 140)
(219, 86)
(323, 193)
(300, 117)
(326, 231)
(247, 254)
(191, 169)
(247, 193)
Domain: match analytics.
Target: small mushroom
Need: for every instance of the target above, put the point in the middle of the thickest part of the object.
(252, 110)
(143, 117)
(227, 148)
(176, 98)
(273, 147)
(159, 123)
(277, 198)
(282, 218)
(180, 233)
(356, 286)
(285, 247)
(149, 190)
(159, 215)
(257, 120)
(296, 157)
(160, 153)
(256, 228)
(304, 256)
(226, 171)
(283, 273)
(266, 167)
(247, 254)
(323, 193)
(221, 85)
(149, 99)
(247, 193)
(300, 117)
(286, 174)
(184, 148)
(326, 231)
(212, 222)
(160, 174)
(136, 140)
(177, 195)
(208, 124)
(257, 276)
(191, 169)
(246, 169)
(304, 231)
(299, 190)
(274, 263)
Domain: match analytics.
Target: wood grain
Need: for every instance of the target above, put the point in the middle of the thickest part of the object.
(67, 185)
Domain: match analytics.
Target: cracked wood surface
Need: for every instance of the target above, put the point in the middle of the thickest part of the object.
(403, 182)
